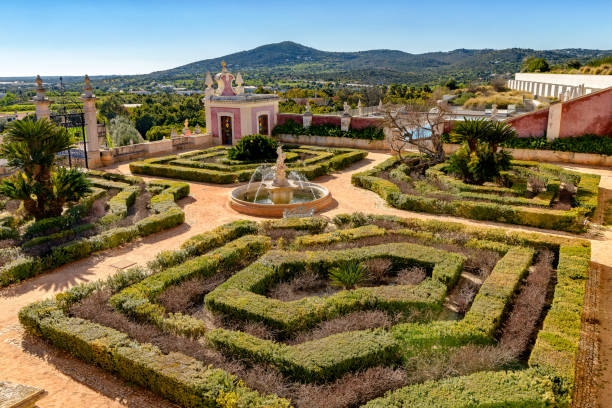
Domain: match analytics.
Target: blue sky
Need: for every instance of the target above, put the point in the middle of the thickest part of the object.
(127, 37)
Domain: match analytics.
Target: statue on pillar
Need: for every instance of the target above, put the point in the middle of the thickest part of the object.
(186, 130)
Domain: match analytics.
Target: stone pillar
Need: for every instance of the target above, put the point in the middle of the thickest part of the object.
(91, 125)
(41, 101)
(208, 93)
(554, 121)
(307, 117)
(360, 108)
(345, 122)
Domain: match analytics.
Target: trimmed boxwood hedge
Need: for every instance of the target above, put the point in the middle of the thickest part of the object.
(166, 215)
(571, 220)
(188, 167)
(179, 378)
(547, 382)
(241, 295)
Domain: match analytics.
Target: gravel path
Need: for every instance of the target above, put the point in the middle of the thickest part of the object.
(71, 383)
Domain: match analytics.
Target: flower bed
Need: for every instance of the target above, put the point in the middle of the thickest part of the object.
(439, 193)
(302, 351)
(43, 245)
(212, 165)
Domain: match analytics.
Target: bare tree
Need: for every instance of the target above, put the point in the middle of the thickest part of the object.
(417, 125)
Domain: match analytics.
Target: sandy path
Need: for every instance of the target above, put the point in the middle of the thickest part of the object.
(71, 383)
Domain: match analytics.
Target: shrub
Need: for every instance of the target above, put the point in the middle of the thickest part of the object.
(122, 132)
(348, 275)
(292, 128)
(253, 148)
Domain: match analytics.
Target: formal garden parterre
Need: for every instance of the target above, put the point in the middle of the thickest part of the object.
(117, 210)
(528, 193)
(363, 310)
(213, 165)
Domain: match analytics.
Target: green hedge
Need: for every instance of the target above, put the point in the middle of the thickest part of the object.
(570, 220)
(581, 144)
(241, 295)
(137, 300)
(547, 382)
(168, 215)
(177, 377)
(292, 128)
(504, 389)
(187, 166)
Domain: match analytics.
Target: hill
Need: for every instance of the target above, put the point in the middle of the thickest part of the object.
(289, 61)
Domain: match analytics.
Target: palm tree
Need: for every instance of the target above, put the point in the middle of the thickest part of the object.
(471, 131)
(499, 132)
(30, 146)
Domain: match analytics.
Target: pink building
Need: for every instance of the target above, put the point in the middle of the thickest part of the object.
(231, 114)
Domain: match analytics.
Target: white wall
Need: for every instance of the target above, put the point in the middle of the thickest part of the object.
(589, 81)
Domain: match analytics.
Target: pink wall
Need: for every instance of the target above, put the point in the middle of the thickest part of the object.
(590, 114)
(281, 118)
(214, 111)
(531, 124)
(361, 123)
(268, 110)
(325, 120)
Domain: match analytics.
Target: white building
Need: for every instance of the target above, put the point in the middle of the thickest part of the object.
(562, 86)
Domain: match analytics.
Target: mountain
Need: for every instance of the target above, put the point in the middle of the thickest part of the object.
(289, 61)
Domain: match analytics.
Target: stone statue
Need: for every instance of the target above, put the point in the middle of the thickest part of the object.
(198, 130)
(280, 176)
(346, 107)
(186, 130)
(173, 134)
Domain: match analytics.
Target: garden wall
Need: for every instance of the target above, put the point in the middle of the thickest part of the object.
(356, 123)
(531, 124)
(141, 150)
(335, 142)
(589, 114)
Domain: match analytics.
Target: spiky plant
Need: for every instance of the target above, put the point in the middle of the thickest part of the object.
(30, 147)
(348, 275)
(470, 132)
(498, 133)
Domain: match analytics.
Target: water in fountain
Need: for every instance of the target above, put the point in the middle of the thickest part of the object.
(299, 177)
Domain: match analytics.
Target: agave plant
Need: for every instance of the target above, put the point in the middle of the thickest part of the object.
(30, 146)
(348, 275)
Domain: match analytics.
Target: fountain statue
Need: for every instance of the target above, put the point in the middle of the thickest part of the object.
(280, 189)
(280, 175)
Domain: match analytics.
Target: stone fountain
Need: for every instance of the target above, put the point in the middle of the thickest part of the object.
(278, 192)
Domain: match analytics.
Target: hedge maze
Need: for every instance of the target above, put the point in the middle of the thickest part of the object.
(245, 316)
(213, 166)
(563, 201)
(34, 247)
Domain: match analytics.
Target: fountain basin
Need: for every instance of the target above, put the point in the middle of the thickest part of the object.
(241, 199)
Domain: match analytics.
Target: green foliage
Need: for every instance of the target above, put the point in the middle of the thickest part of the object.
(31, 147)
(497, 208)
(580, 144)
(479, 161)
(167, 215)
(547, 382)
(480, 390)
(348, 275)
(193, 383)
(187, 167)
(596, 62)
(533, 64)
(292, 128)
(254, 148)
(122, 132)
